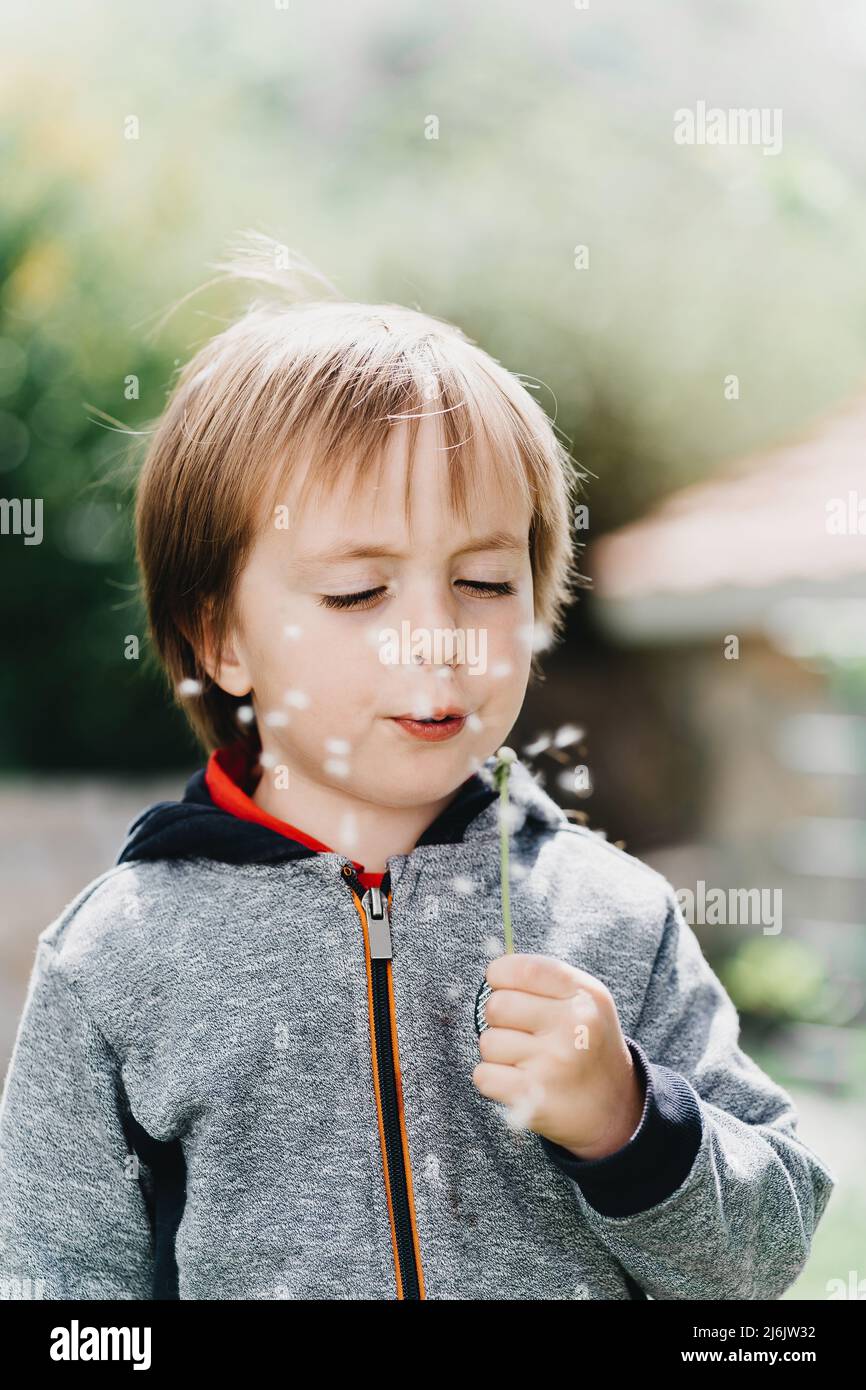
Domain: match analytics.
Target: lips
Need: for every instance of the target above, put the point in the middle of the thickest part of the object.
(443, 725)
(445, 712)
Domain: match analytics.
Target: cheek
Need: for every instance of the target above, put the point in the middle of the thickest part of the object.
(333, 663)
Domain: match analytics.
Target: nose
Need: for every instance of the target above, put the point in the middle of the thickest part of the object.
(447, 655)
(433, 623)
(439, 644)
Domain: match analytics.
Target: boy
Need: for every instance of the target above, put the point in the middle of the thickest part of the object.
(248, 1064)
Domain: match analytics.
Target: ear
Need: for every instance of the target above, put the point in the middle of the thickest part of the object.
(229, 671)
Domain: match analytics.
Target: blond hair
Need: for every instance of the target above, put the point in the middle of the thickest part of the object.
(326, 379)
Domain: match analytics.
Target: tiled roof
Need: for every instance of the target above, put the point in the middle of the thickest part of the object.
(764, 522)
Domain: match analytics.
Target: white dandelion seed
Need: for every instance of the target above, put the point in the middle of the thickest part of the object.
(501, 670)
(338, 746)
(298, 698)
(542, 637)
(492, 947)
(268, 759)
(567, 734)
(202, 376)
(245, 714)
(432, 1170)
(276, 718)
(421, 706)
(348, 831)
(336, 767)
(292, 630)
(513, 816)
(580, 1004)
(132, 909)
(429, 387)
(188, 687)
(539, 745)
(461, 884)
(519, 1115)
(453, 991)
(474, 722)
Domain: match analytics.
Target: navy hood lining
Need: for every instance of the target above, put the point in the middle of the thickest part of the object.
(197, 827)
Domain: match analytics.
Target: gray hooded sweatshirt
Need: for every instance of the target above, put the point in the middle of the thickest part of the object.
(240, 1075)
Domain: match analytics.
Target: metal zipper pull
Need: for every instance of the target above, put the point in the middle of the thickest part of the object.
(375, 905)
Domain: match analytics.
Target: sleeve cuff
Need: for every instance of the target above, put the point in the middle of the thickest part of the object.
(658, 1157)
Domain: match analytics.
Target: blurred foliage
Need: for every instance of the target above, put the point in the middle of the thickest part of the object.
(780, 980)
(69, 697)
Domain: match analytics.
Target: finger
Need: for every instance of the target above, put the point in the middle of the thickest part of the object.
(535, 974)
(506, 1045)
(497, 1082)
(510, 1008)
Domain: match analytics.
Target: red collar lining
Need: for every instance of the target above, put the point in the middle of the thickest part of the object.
(228, 772)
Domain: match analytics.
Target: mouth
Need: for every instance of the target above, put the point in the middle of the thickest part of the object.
(443, 725)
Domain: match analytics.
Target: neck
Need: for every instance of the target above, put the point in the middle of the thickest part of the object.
(359, 829)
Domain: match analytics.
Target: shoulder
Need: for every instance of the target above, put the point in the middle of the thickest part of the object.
(112, 944)
(595, 879)
(120, 903)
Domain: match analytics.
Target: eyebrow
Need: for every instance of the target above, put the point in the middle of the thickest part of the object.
(496, 540)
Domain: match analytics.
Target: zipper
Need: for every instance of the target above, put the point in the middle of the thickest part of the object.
(373, 906)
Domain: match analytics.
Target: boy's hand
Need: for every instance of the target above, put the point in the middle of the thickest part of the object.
(554, 1051)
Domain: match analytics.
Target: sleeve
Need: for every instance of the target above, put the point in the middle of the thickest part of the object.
(73, 1218)
(715, 1196)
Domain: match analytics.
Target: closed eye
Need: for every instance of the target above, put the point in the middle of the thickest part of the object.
(366, 597)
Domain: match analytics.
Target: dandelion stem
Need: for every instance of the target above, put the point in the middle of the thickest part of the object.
(506, 758)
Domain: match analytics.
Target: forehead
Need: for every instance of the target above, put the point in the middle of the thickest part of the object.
(398, 503)
(326, 553)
